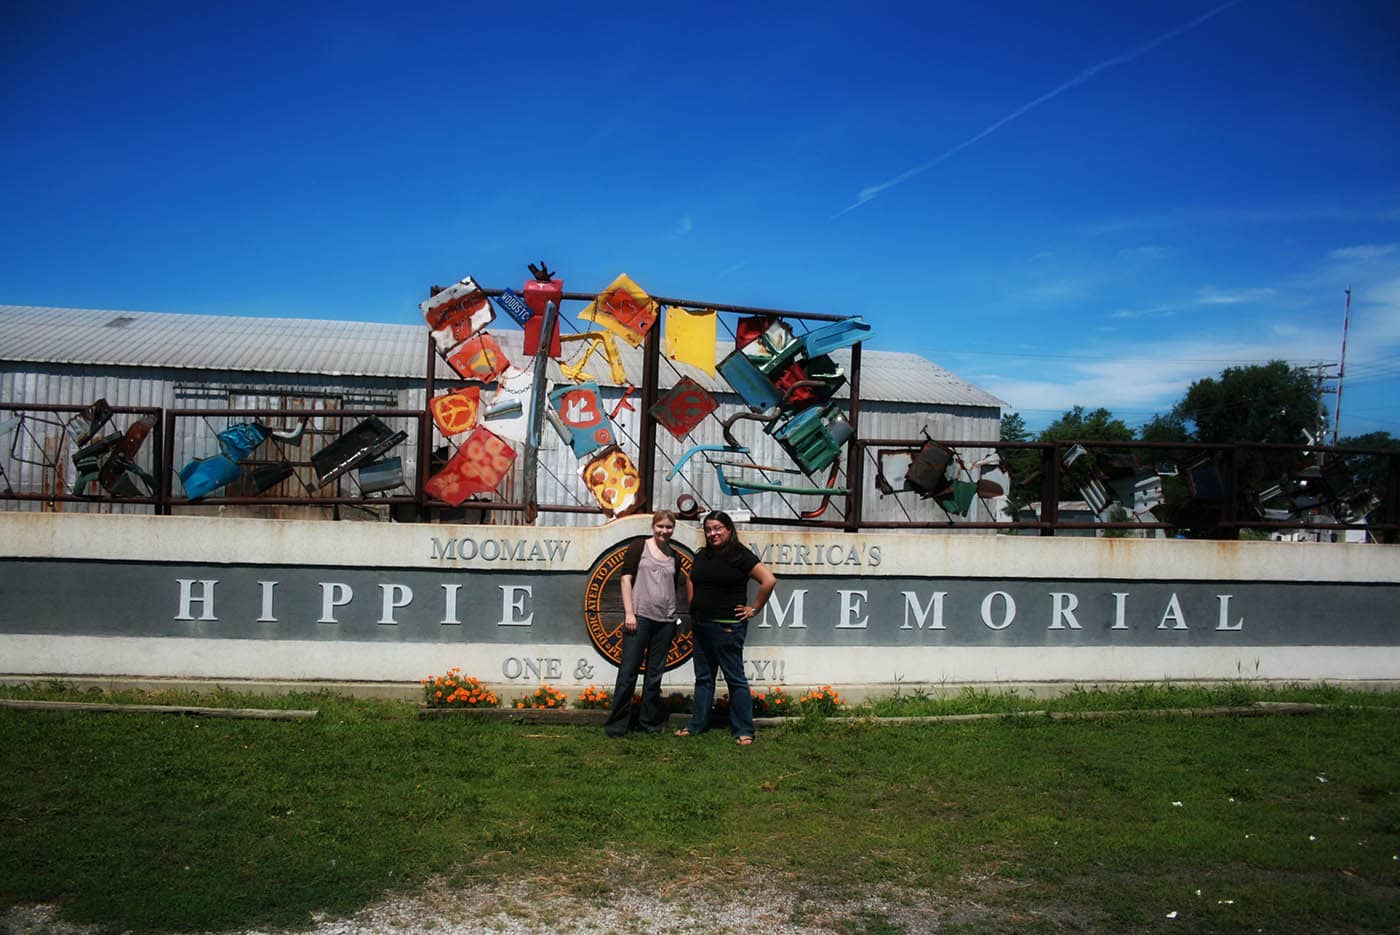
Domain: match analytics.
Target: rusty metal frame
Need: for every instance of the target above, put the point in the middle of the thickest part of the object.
(1228, 527)
(164, 434)
(156, 442)
(163, 442)
(650, 392)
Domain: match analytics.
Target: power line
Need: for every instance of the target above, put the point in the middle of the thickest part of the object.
(1375, 377)
(1115, 410)
(1379, 369)
(1118, 357)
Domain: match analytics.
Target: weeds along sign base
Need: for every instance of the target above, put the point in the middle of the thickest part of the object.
(215, 598)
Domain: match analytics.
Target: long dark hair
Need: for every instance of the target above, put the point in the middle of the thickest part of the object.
(723, 518)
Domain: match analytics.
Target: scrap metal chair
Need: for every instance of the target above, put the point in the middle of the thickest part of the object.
(110, 461)
(360, 445)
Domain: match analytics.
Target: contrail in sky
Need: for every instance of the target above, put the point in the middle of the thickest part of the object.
(872, 192)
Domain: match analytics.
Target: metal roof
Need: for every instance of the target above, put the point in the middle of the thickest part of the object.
(96, 337)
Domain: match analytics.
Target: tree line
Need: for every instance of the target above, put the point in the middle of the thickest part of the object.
(1270, 403)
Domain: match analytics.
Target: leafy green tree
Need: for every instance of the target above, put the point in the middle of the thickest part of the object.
(1364, 472)
(1013, 428)
(1271, 402)
(1021, 464)
(1164, 427)
(1078, 425)
(1168, 427)
(1369, 440)
(1098, 425)
(1024, 466)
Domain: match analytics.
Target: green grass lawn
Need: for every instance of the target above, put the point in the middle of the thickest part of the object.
(158, 822)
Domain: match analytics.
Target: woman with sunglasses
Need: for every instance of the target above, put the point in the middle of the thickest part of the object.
(719, 608)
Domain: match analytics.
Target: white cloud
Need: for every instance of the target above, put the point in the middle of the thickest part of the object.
(1209, 295)
(1147, 366)
(682, 227)
(1300, 210)
(1150, 251)
(1160, 311)
(871, 192)
(1368, 251)
(1118, 386)
(1375, 321)
(1143, 376)
(1061, 289)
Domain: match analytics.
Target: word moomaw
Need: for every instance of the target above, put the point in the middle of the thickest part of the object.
(500, 550)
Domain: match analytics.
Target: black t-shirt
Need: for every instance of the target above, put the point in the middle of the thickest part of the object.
(721, 580)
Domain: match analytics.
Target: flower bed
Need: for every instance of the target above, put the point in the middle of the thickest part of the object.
(546, 696)
(822, 702)
(594, 698)
(774, 702)
(455, 691)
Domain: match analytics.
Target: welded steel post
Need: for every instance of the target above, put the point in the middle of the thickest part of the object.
(1390, 512)
(538, 384)
(158, 467)
(855, 461)
(167, 465)
(1229, 509)
(425, 431)
(646, 444)
(1049, 489)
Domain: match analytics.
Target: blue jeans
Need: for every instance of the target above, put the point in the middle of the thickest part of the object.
(650, 644)
(721, 646)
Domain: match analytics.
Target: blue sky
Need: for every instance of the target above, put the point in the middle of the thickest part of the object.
(1071, 202)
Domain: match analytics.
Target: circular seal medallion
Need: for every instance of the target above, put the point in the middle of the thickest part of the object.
(602, 606)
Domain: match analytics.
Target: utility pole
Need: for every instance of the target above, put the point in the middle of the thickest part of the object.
(1342, 369)
(1321, 432)
(1319, 435)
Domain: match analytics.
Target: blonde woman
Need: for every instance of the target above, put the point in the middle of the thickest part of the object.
(651, 582)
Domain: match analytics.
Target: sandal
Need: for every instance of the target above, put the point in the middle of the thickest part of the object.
(744, 741)
(684, 732)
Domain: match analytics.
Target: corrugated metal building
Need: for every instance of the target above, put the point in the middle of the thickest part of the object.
(75, 356)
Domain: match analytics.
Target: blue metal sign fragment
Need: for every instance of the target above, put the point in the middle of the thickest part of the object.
(515, 307)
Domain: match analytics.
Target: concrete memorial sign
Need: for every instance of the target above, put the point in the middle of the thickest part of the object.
(264, 599)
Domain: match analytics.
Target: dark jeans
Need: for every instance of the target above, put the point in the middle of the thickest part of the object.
(721, 646)
(650, 643)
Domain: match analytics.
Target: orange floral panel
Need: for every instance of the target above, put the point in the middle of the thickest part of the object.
(477, 467)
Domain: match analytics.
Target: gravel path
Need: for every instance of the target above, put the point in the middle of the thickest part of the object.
(534, 906)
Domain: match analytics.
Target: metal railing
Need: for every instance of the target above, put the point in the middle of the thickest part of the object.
(1205, 490)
